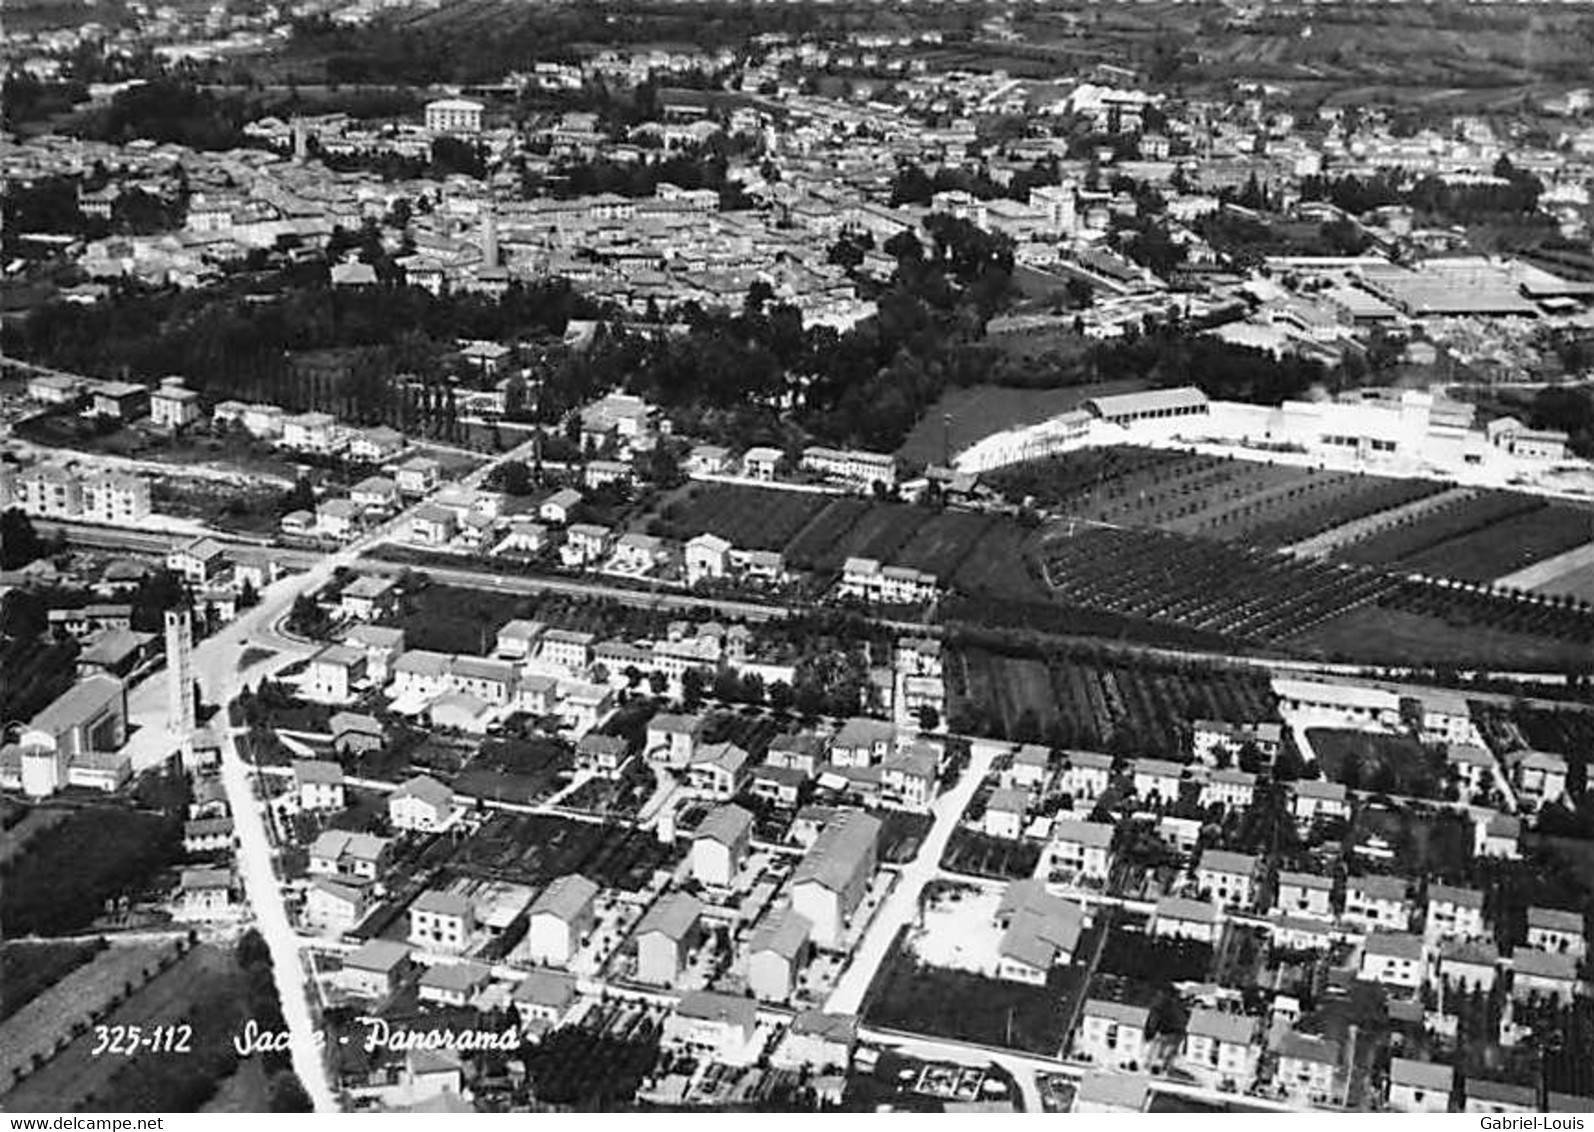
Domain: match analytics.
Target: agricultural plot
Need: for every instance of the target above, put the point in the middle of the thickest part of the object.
(1317, 505)
(28, 969)
(203, 990)
(536, 848)
(41, 1025)
(1427, 537)
(1249, 595)
(1509, 545)
(815, 548)
(1064, 481)
(1096, 702)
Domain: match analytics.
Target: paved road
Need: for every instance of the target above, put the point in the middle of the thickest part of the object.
(902, 904)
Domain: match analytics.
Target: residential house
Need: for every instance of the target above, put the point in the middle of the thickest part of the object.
(720, 844)
(907, 778)
(1220, 1048)
(776, 953)
(1087, 775)
(1308, 1067)
(1392, 958)
(205, 894)
(1497, 835)
(431, 525)
(1468, 965)
(1558, 931)
(801, 751)
(601, 755)
(421, 805)
(1304, 894)
(381, 644)
(375, 445)
(334, 905)
(1231, 789)
(761, 463)
(1314, 798)
(833, 876)
(373, 970)
(1455, 913)
(716, 1028)
(570, 649)
(543, 1000)
(338, 852)
(818, 1042)
(1473, 767)
(1177, 917)
(1230, 878)
(454, 984)
(706, 556)
(198, 562)
(559, 506)
(334, 673)
(1420, 1086)
(1498, 1097)
(1538, 776)
(441, 922)
(666, 934)
(586, 544)
(1543, 975)
(1112, 1034)
(718, 770)
(1082, 849)
(561, 916)
(672, 739)
(418, 476)
(1004, 812)
(1039, 931)
(1157, 778)
(368, 598)
(862, 742)
(319, 784)
(1377, 902)
(1031, 764)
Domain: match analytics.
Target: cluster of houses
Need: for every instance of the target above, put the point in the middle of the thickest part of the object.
(534, 668)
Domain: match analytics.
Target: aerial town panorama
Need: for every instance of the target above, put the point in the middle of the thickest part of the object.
(654, 556)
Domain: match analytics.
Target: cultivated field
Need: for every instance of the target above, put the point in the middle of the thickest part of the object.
(1477, 539)
(49, 1022)
(1470, 535)
(1097, 702)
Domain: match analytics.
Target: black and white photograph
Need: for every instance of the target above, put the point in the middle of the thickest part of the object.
(661, 557)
